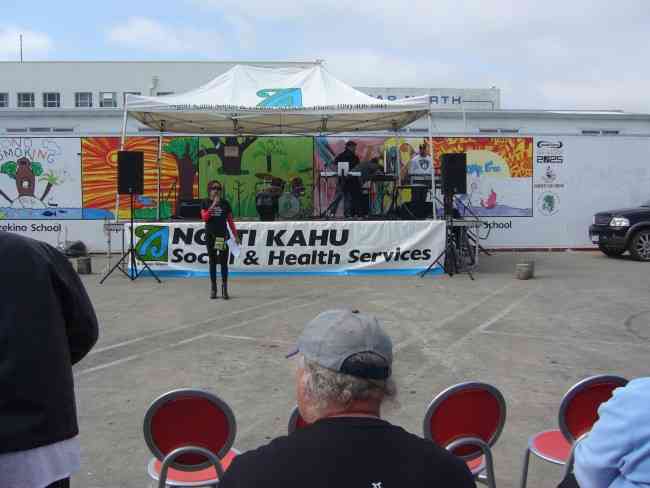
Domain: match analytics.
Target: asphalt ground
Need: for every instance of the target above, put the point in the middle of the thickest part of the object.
(582, 314)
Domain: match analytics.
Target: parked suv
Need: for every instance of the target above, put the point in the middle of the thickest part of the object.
(627, 229)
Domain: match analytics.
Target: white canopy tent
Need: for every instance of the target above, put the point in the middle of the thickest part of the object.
(257, 100)
(251, 100)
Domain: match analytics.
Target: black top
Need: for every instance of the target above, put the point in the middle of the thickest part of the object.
(348, 452)
(347, 156)
(47, 323)
(218, 221)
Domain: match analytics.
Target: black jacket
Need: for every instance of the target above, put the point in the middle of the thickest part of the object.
(47, 324)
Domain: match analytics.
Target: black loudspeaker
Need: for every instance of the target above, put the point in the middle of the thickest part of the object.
(130, 172)
(190, 209)
(453, 173)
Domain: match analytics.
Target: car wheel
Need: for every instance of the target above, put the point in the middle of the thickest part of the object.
(611, 251)
(640, 246)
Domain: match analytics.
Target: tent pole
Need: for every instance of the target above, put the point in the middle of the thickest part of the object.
(160, 139)
(124, 117)
(433, 170)
(122, 143)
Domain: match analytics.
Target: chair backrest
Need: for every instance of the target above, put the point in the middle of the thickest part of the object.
(579, 407)
(296, 421)
(189, 417)
(466, 410)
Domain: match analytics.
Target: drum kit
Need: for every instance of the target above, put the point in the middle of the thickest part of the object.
(279, 197)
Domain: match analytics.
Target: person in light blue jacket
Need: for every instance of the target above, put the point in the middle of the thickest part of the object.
(616, 453)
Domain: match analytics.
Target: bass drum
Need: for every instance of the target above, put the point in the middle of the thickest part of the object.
(288, 206)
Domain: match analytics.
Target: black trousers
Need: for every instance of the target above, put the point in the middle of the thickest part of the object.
(60, 484)
(214, 257)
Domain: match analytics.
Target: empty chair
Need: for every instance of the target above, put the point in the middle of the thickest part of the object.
(577, 415)
(190, 433)
(467, 419)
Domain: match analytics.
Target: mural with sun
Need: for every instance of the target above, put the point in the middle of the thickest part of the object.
(99, 176)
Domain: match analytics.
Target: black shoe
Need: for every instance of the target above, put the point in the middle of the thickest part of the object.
(224, 291)
(213, 291)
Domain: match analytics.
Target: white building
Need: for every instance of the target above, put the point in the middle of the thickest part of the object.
(39, 98)
(581, 161)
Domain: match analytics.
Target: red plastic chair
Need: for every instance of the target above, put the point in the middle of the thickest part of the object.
(296, 421)
(577, 415)
(467, 419)
(190, 433)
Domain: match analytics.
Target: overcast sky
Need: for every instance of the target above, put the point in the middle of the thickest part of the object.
(568, 54)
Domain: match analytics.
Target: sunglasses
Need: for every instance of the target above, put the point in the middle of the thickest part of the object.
(214, 188)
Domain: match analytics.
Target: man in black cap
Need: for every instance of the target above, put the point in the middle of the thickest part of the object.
(343, 377)
(47, 324)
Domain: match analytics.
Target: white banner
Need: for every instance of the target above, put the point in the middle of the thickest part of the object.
(384, 247)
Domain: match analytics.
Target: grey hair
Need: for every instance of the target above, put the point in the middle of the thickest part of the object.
(327, 388)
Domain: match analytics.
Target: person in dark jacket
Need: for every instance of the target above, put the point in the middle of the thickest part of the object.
(219, 225)
(349, 187)
(47, 324)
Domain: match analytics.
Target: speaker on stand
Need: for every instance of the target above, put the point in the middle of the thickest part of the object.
(130, 181)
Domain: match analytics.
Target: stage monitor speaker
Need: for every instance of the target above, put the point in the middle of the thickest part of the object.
(130, 172)
(453, 173)
(190, 209)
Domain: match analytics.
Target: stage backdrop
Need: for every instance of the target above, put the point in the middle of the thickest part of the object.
(499, 169)
(392, 247)
(247, 166)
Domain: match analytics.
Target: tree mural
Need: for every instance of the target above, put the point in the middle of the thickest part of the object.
(24, 173)
(267, 148)
(230, 150)
(186, 151)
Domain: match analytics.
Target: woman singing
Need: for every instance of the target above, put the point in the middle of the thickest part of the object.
(217, 215)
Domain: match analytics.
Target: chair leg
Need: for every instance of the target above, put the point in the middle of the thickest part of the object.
(489, 468)
(524, 471)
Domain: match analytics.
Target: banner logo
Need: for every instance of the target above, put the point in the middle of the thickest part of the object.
(548, 203)
(280, 97)
(553, 145)
(152, 242)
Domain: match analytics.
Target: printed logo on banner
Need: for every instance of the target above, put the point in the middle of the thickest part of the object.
(550, 152)
(548, 203)
(153, 242)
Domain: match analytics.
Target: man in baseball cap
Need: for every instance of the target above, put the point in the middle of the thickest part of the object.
(344, 375)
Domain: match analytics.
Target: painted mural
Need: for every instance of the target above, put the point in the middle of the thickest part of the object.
(178, 176)
(281, 167)
(499, 174)
(40, 178)
(499, 170)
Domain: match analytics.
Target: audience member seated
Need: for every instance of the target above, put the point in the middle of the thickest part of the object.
(616, 453)
(343, 377)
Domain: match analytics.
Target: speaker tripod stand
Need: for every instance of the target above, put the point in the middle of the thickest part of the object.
(456, 257)
(131, 257)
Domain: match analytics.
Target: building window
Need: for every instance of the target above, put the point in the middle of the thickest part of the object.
(83, 99)
(51, 100)
(162, 94)
(128, 93)
(4, 100)
(26, 100)
(107, 100)
(40, 129)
